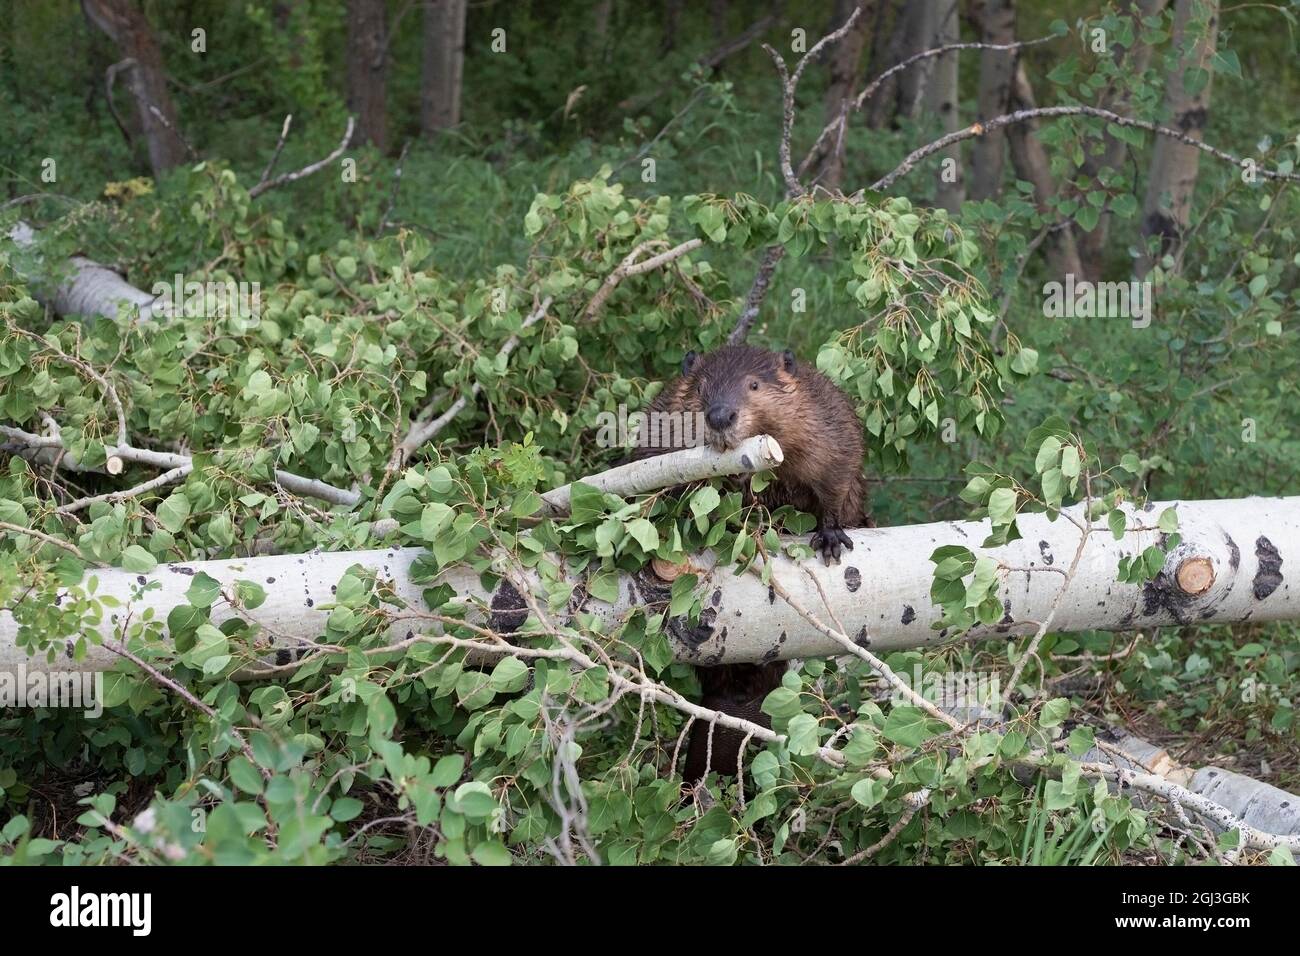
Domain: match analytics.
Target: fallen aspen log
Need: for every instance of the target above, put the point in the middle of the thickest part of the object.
(1230, 567)
(83, 287)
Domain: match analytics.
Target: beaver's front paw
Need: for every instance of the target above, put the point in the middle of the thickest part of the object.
(828, 540)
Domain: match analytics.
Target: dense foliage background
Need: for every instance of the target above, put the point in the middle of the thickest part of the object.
(396, 289)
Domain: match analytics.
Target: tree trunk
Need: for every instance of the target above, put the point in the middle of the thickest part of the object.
(941, 98)
(845, 72)
(672, 23)
(886, 50)
(1230, 567)
(997, 72)
(367, 71)
(444, 61)
(1135, 59)
(1031, 164)
(1166, 212)
(919, 23)
(718, 14)
(123, 23)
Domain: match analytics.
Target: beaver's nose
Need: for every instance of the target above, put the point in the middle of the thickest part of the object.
(720, 416)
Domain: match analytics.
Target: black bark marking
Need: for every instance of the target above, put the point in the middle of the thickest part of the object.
(909, 614)
(862, 640)
(716, 599)
(1004, 625)
(852, 578)
(773, 652)
(1234, 552)
(508, 610)
(1269, 575)
(1162, 593)
(1045, 550)
(721, 650)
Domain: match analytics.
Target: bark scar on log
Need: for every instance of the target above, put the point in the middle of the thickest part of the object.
(1269, 575)
(852, 578)
(508, 610)
(1234, 552)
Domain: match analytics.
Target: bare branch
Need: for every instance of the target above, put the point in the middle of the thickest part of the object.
(279, 147)
(630, 267)
(1021, 116)
(836, 126)
(285, 178)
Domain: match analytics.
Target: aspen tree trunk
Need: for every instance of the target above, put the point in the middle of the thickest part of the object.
(845, 74)
(919, 24)
(1167, 210)
(997, 72)
(941, 98)
(887, 44)
(444, 62)
(1233, 565)
(124, 24)
(367, 71)
(1032, 165)
(1135, 58)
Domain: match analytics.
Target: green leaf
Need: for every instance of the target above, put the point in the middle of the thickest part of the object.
(1168, 520)
(510, 675)
(475, 800)
(868, 792)
(346, 808)
(244, 775)
(1054, 712)
(491, 853)
(909, 726)
(203, 590)
(137, 559)
(447, 770)
(802, 734)
(173, 512)
(1002, 506)
(644, 534)
(1082, 739)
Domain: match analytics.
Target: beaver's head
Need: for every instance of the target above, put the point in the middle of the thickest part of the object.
(741, 391)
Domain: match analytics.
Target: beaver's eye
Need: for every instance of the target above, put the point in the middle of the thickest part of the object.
(753, 385)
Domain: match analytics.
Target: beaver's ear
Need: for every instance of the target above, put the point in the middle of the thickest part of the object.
(787, 361)
(688, 362)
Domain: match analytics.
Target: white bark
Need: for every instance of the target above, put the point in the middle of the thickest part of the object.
(1236, 555)
(941, 97)
(1171, 180)
(692, 464)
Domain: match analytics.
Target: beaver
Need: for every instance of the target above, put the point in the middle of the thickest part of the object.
(736, 392)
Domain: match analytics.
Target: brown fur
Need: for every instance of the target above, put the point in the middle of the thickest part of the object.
(770, 393)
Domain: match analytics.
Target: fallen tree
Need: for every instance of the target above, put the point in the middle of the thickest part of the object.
(1228, 568)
